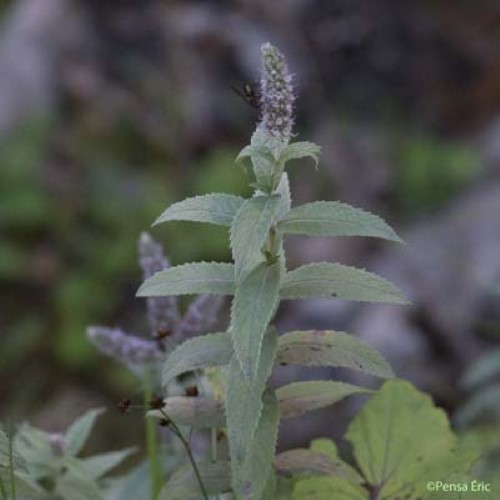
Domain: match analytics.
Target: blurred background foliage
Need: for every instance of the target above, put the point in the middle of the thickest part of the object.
(110, 111)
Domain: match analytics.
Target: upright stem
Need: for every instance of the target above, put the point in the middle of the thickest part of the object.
(11, 462)
(179, 434)
(151, 437)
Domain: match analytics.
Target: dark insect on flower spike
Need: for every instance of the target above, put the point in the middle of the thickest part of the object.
(249, 93)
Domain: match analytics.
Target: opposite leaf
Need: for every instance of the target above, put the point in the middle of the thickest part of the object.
(249, 232)
(214, 349)
(330, 348)
(79, 431)
(338, 281)
(254, 303)
(98, 465)
(244, 401)
(251, 478)
(300, 397)
(297, 150)
(215, 208)
(189, 279)
(332, 218)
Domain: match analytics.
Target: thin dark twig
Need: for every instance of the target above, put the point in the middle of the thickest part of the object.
(179, 434)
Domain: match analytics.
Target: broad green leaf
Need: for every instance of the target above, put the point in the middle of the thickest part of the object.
(297, 150)
(302, 461)
(79, 431)
(330, 348)
(250, 478)
(183, 485)
(325, 446)
(254, 304)
(214, 349)
(215, 208)
(332, 218)
(98, 465)
(75, 483)
(329, 488)
(244, 401)
(194, 412)
(188, 279)
(401, 441)
(300, 397)
(249, 231)
(336, 280)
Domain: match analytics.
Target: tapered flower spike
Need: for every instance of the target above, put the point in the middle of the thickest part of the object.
(276, 93)
(128, 349)
(201, 315)
(163, 314)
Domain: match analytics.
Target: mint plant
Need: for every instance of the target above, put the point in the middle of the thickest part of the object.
(258, 279)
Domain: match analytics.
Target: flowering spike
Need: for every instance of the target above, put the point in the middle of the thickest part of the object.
(201, 315)
(277, 96)
(163, 314)
(128, 349)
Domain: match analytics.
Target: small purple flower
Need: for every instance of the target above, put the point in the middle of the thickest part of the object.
(277, 96)
(128, 349)
(163, 314)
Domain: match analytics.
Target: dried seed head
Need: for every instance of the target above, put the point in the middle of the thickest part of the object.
(277, 96)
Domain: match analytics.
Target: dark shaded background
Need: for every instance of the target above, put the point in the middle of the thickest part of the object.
(111, 110)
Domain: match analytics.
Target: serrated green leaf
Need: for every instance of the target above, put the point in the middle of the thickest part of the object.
(328, 488)
(194, 412)
(331, 348)
(254, 304)
(244, 401)
(215, 208)
(250, 478)
(249, 231)
(98, 465)
(183, 485)
(300, 397)
(213, 349)
(332, 218)
(297, 150)
(188, 279)
(302, 461)
(338, 281)
(79, 431)
(390, 457)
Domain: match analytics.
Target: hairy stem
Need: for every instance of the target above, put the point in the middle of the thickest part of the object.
(151, 441)
(179, 434)
(11, 463)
